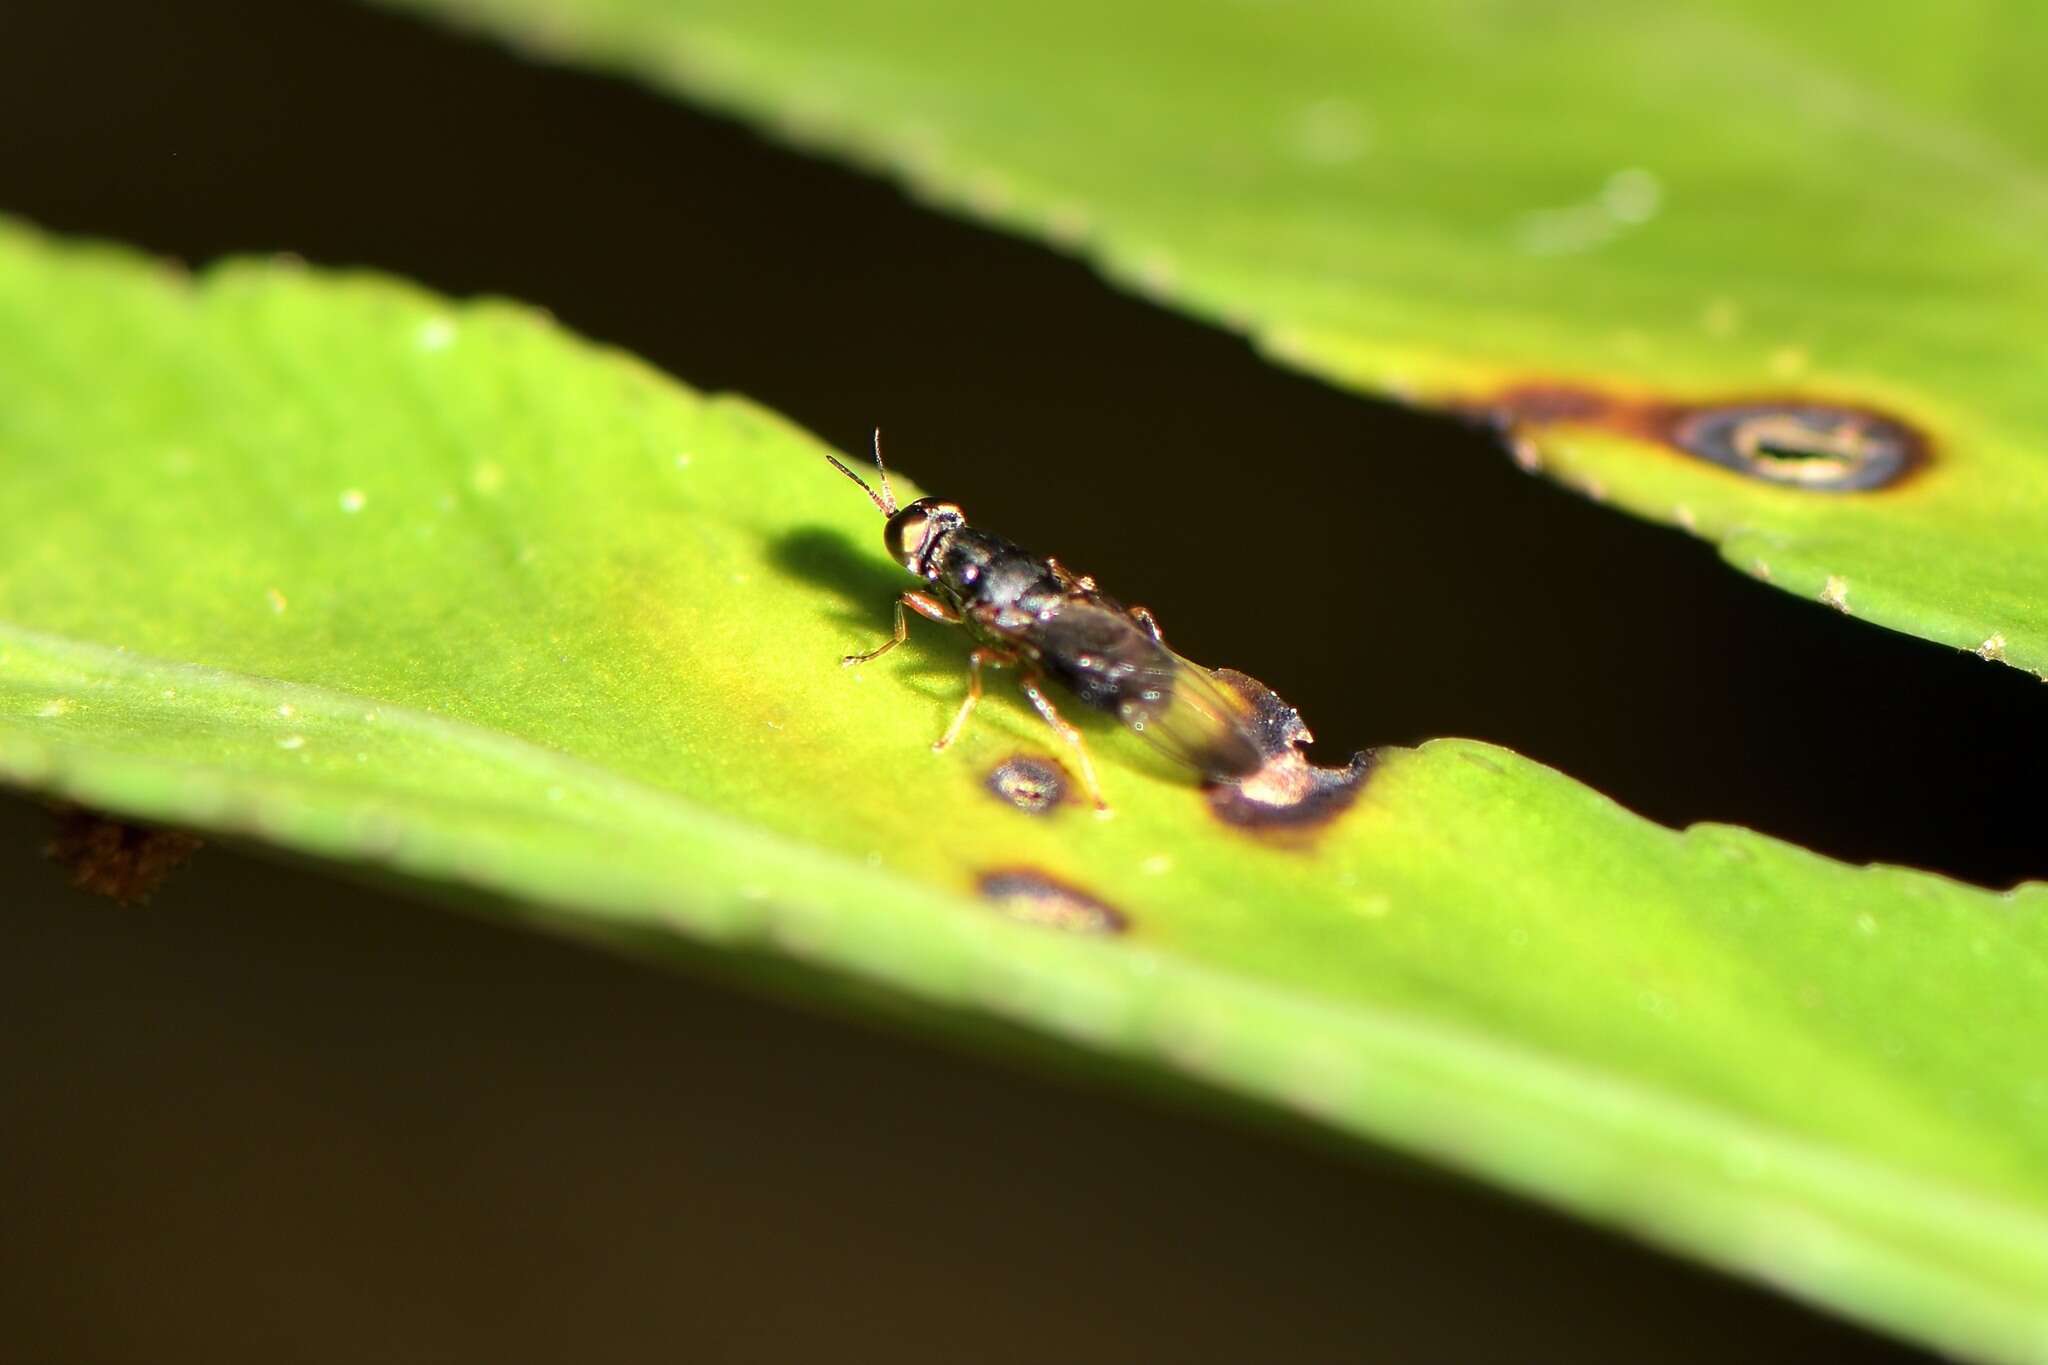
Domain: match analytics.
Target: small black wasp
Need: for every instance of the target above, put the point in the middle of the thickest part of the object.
(1032, 612)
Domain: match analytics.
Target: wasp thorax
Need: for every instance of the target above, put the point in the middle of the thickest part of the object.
(915, 530)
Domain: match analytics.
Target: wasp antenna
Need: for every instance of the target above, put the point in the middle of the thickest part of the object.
(888, 497)
(873, 497)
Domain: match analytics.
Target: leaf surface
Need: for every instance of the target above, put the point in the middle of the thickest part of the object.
(333, 564)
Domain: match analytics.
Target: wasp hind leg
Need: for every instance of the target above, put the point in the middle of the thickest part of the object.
(1031, 683)
(980, 658)
(929, 607)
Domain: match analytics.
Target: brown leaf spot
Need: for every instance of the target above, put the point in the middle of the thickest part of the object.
(1026, 894)
(1794, 441)
(110, 857)
(1029, 783)
(1287, 792)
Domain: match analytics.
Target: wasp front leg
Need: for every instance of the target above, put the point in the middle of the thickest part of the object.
(918, 602)
(984, 656)
(1030, 682)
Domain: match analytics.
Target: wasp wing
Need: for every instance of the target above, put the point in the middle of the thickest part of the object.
(1197, 722)
(1099, 652)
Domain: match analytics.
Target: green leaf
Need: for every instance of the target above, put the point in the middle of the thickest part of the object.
(333, 564)
(1584, 220)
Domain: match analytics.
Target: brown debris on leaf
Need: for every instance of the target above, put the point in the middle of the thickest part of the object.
(113, 858)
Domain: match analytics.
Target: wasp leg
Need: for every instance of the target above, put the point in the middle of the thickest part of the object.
(1030, 683)
(1150, 623)
(997, 658)
(924, 606)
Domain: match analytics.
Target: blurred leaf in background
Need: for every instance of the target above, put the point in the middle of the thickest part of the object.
(1770, 274)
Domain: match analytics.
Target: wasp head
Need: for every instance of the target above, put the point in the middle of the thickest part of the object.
(913, 534)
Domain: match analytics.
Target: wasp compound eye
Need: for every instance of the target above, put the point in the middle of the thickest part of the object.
(904, 535)
(1808, 445)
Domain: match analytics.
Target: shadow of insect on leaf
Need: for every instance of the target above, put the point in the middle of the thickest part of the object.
(827, 559)
(860, 580)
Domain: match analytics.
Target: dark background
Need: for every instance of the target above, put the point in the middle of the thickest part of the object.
(278, 1118)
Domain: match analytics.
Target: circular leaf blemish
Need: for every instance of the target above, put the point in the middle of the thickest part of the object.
(1031, 784)
(1029, 895)
(1287, 792)
(1808, 445)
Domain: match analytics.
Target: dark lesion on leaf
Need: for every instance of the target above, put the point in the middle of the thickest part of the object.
(1029, 783)
(113, 858)
(1796, 441)
(1034, 897)
(1288, 794)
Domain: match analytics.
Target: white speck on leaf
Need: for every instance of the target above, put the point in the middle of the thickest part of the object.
(920, 149)
(1630, 198)
(1744, 1160)
(1156, 273)
(352, 500)
(1835, 592)
(1993, 648)
(1722, 318)
(292, 742)
(1157, 865)
(1328, 132)
(989, 194)
(276, 599)
(436, 334)
(1068, 224)
(53, 708)
(285, 709)
(1632, 195)
(1789, 362)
